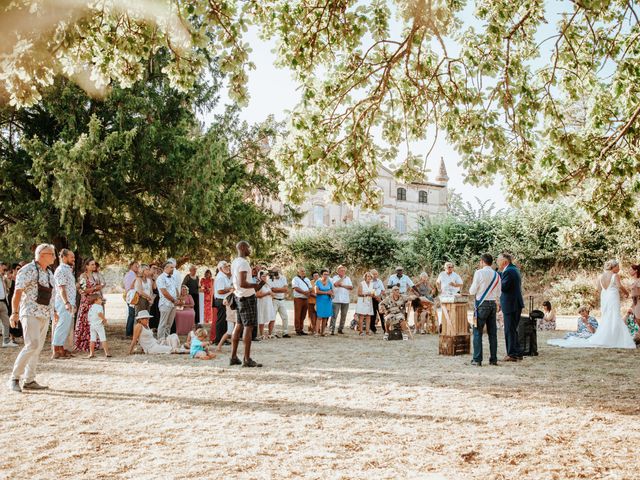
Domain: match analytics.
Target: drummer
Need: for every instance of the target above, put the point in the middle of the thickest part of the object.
(449, 282)
(394, 308)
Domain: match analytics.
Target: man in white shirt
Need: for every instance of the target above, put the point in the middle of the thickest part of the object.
(449, 282)
(222, 286)
(128, 282)
(341, 287)
(486, 290)
(247, 307)
(279, 286)
(176, 275)
(301, 290)
(168, 301)
(378, 287)
(404, 282)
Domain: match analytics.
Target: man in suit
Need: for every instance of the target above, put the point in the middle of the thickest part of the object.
(511, 303)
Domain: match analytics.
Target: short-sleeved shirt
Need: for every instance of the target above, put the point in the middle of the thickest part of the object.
(27, 280)
(222, 282)
(303, 284)
(445, 279)
(241, 265)
(64, 277)
(129, 280)
(168, 283)
(280, 282)
(378, 286)
(196, 346)
(341, 295)
(94, 312)
(404, 282)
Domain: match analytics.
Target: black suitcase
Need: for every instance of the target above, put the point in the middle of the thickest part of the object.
(528, 330)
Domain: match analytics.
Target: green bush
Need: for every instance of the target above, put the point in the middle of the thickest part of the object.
(567, 294)
(369, 245)
(360, 246)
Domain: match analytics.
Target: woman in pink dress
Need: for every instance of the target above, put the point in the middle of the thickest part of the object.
(206, 284)
(185, 314)
(88, 286)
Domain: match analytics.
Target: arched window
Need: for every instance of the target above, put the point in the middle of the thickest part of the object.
(423, 196)
(402, 194)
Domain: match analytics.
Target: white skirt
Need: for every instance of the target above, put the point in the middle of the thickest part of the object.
(364, 306)
(266, 312)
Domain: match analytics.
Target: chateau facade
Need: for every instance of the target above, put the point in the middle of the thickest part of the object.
(402, 207)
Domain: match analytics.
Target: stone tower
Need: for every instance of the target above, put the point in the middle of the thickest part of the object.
(442, 173)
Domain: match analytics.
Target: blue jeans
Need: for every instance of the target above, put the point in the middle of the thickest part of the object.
(511, 322)
(486, 316)
(65, 322)
(131, 318)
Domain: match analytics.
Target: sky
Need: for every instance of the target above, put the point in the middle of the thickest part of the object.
(273, 91)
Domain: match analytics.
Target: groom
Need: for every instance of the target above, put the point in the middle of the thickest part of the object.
(511, 303)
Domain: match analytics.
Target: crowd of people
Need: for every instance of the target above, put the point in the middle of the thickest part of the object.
(246, 301)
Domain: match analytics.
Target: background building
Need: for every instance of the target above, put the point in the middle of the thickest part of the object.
(402, 205)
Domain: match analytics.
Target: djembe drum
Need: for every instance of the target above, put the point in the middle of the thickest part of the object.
(454, 337)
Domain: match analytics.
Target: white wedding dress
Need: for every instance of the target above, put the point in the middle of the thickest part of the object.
(612, 331)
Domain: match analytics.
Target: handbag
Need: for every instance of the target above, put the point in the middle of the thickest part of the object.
(44, 293)
(133, 297)
(232, 301)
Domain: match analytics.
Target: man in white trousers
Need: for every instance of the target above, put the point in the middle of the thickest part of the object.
(33, 306)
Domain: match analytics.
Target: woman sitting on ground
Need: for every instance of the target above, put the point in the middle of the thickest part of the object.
(548, 322)
(587, 325)
(143, 335)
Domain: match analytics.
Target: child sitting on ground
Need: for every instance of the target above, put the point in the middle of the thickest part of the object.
(199, 346)
(97, 321)
(191, 335)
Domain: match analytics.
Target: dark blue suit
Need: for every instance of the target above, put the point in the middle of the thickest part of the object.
(511, 303)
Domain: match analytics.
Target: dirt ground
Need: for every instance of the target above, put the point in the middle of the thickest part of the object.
(330, 408)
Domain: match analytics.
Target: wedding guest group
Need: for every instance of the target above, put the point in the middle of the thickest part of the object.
(244, 299)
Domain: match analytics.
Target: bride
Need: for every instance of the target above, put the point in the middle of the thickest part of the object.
(612, 331)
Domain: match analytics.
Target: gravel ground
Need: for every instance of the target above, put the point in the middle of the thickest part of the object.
(338, 407)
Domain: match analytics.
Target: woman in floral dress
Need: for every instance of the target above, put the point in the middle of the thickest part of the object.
(87, 287)
(587, 325)
(206, 284)
(548, 322)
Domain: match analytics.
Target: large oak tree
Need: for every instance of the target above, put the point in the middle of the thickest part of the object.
(545, 93)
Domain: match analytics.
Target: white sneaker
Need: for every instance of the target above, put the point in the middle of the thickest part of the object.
(405, 338)
(386, 336)
(9, 344)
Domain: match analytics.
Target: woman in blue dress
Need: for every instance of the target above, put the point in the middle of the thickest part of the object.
(324, 302)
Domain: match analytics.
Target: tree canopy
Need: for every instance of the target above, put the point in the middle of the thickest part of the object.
(134, 172)
(545, 93)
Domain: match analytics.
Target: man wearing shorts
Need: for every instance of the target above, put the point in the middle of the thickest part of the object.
(247, 307)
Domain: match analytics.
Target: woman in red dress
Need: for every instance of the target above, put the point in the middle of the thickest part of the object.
(206, 285)
(87, 287)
